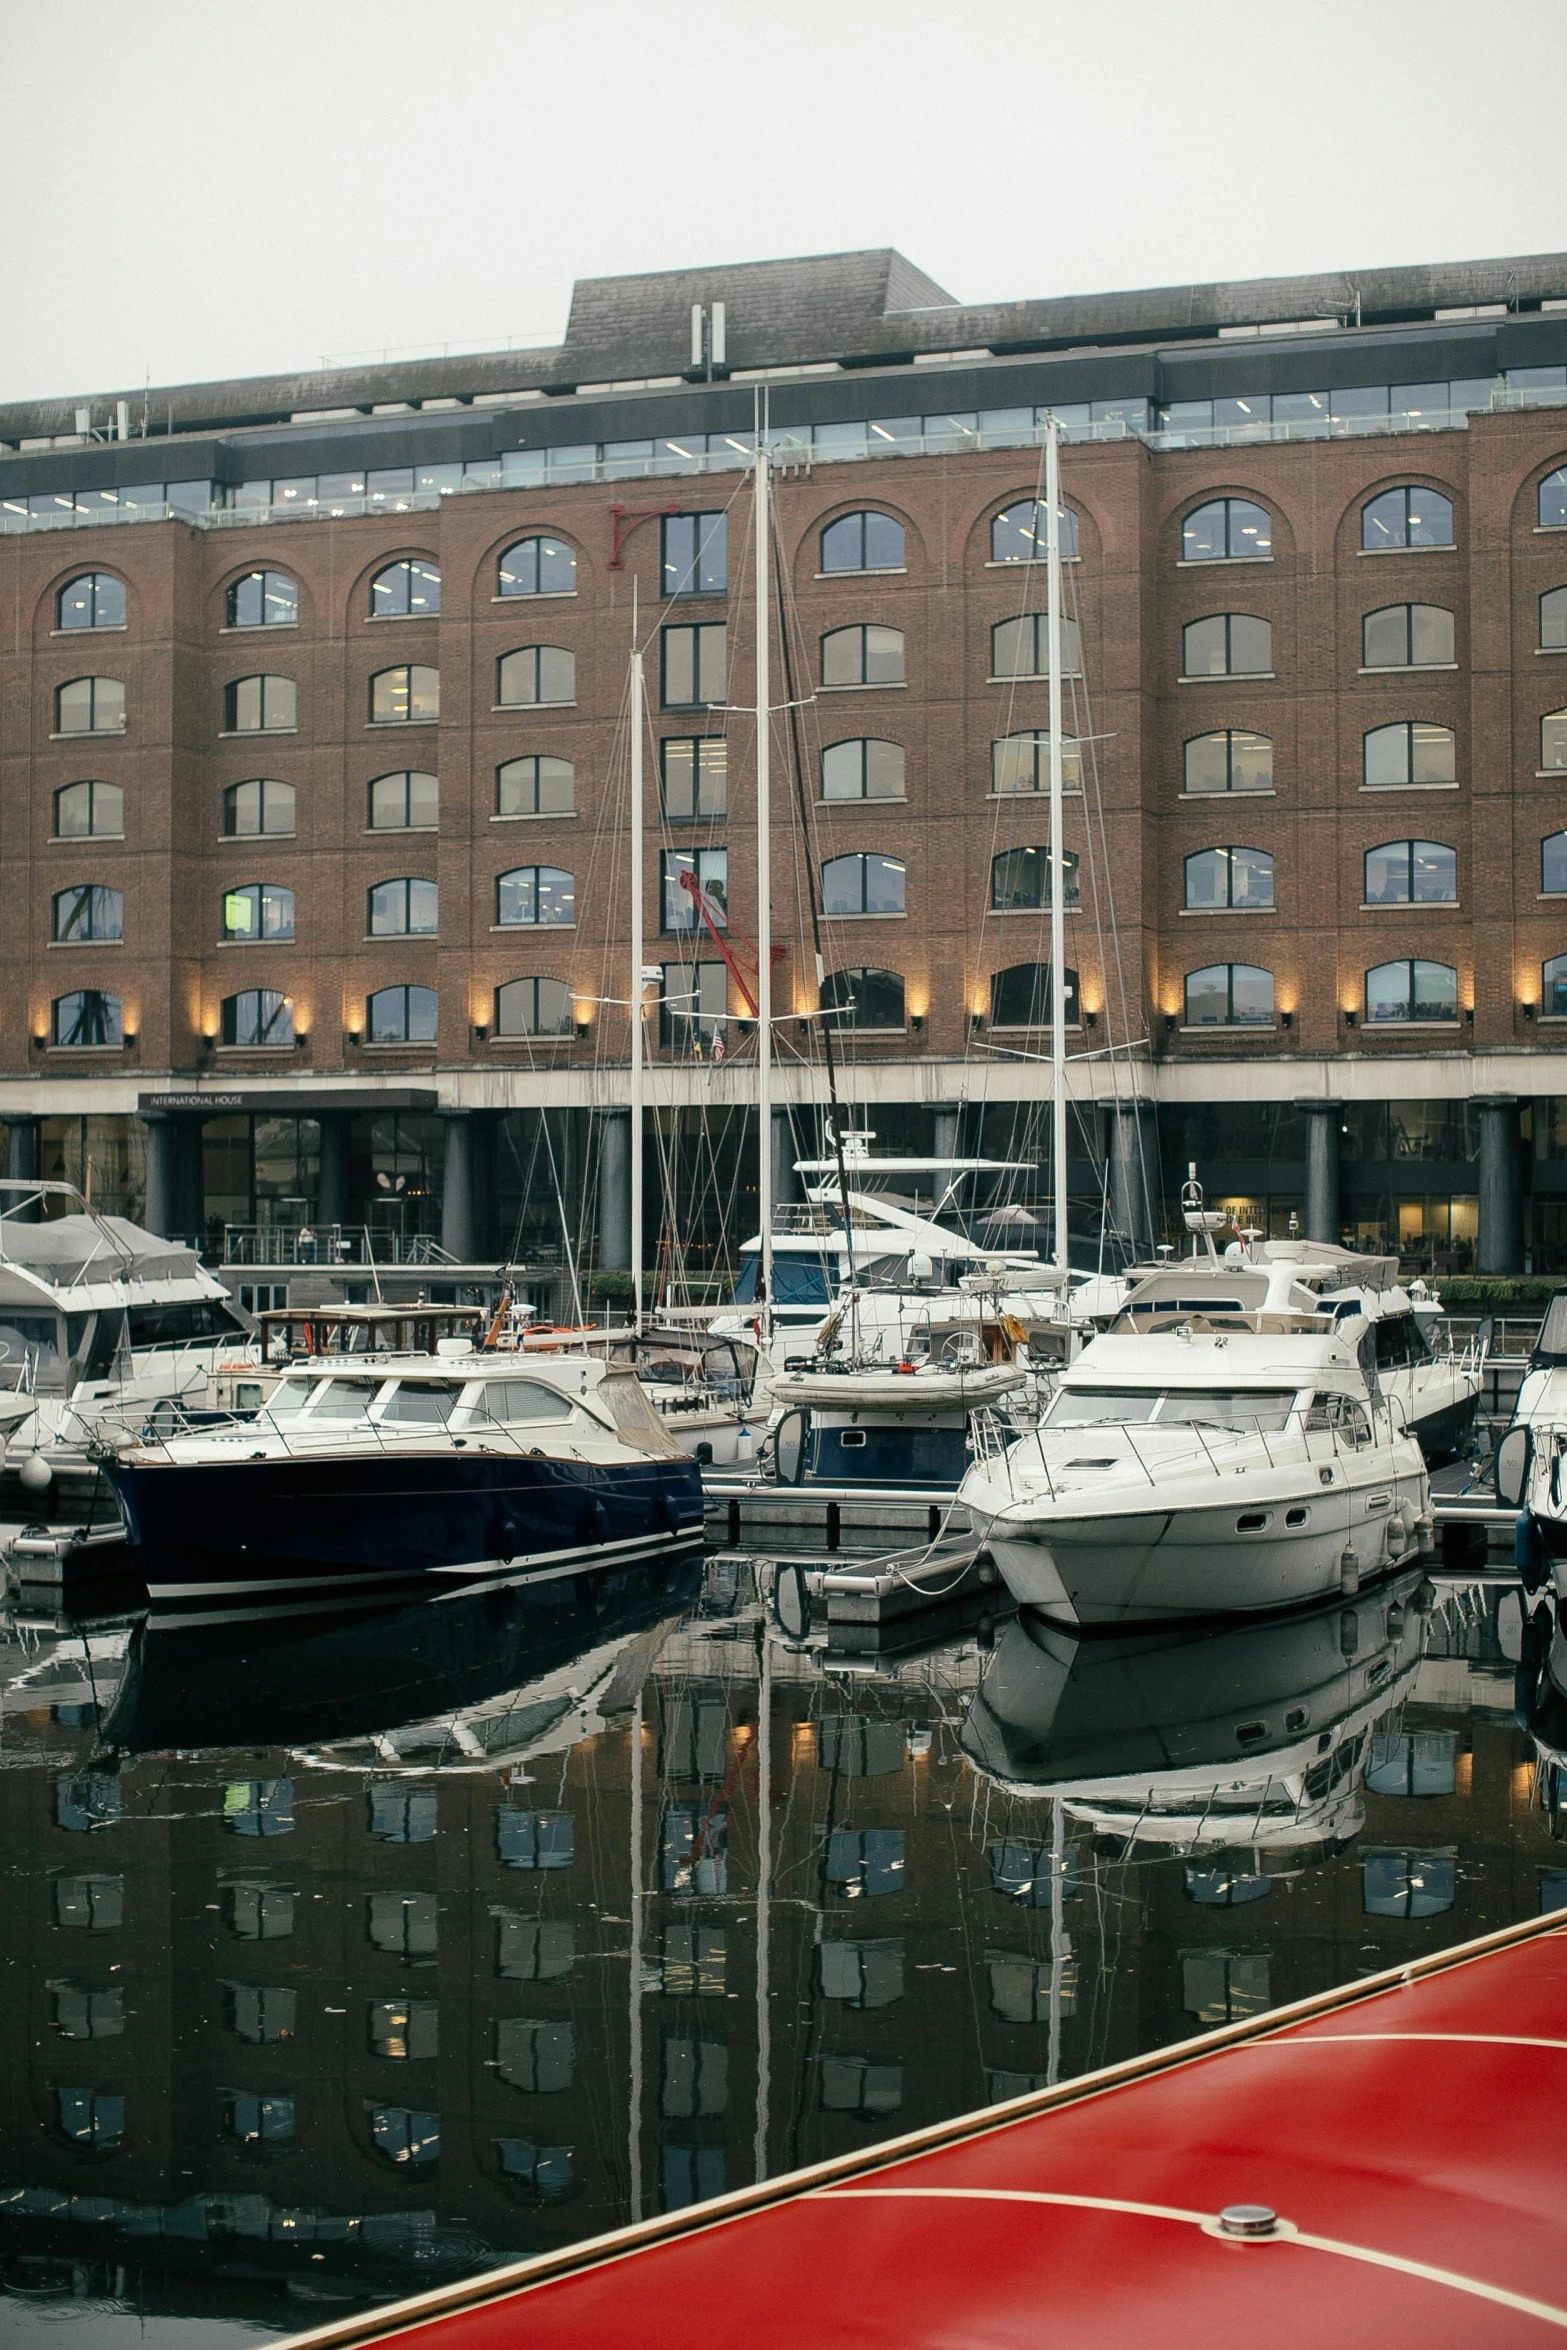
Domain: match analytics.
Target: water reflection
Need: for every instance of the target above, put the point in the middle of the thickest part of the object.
(350, 1952)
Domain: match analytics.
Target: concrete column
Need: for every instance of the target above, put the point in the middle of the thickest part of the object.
(188, 1205)
(158, 1214)
(23, 1156)
(1501, 1187)
(946, 1119)
(1322, 1205)
(332, 1172)
(786, 1183)
(1134, 1175)
(614, 1254)
(457, 1225)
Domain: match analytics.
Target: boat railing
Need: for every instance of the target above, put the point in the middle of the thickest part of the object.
(327, 1245)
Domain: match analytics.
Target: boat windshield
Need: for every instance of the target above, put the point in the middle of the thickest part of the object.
(1078, 1406)
(345, 1399)
(1181, 1407)
(289, 1395)
(427, 1403)
(525, 1399)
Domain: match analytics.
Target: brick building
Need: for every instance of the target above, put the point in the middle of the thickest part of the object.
(268, 968)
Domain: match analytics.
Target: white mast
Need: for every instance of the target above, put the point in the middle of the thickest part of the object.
(764, 910)
(637, 951)
(1057, 853)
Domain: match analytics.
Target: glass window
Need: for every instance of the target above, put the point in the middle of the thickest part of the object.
(405, 802)
(406, 590)
(1227, 644)
(257, 808)
(1224, 1986)
(866, 883)
(1553, 977)
(91, 1800)
(256, 2012)
(864, 655)
(262, 599)
(88, 811)
(534, 1839)
(535, 786)
(694, 777)
(408, 696)
(260, 1913)
(96, 600)
(1553, 864)
(534, 1950)
(1020, 996)
(542, 894)
(1231, 760)
(1411, 991)
(400, 1814)
(1408, 1884)
(1408, 636)
(1021, 763)
(1412, 1762)
(861, 1974)
(1553, 740)
(696, 554)
(1020, 880)
(89, 911)
(403, 909)
(258, 1016)
(692, 1962)
(534, 675)
(80, 2014)
(258, 910)
(533, 1007)
(1409, 752)
(1241, 879)
(1223, 1888)
(391, 487)
(406, 1924)
(863, 542)
(693, 1006)
(539, 567)
(1553, 500)
(709, 870)
(255, 705)
(91, 2118)
(536, 2056)
(93, 1905)
(401, 1015)
(261, 2121)
(1020, 533)
(407, 2031)
(1229, 995)
(259, 1807)
(695, 664)
(90, 705)
(549, 2171)
(1411, 873)
(1021, 648)
(695, 2078)
(1227, 530)
(1407, 517)
(400, 2134)
(86, 1017)
(863, 1863)
(1553, 621)
(862, 770)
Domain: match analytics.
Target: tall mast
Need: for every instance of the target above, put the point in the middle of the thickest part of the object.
(637, 951)
(764, 909)
(1057, 855)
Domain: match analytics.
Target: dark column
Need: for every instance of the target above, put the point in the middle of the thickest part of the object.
(188, 1206)
(786, 1183)
(614, 1253)
(332, 1173)
(1501, 1187)
(457, 1234)
(23, 1157)
(946, 1123)
(158, 1214)
(1322, 1208)
(1133, 1174)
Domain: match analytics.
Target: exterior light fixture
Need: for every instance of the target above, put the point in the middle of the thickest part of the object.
(583, 1026)
(1090, 1019)
(1286, 1019)
(480, 1032)
(128, 1039)
(1169, 1024)
(353, 1036)
(1527, 1009)
(1350, 1016)
(917, 1023)
(976, 1021)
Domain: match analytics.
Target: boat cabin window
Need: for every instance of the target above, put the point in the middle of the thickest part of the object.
(1164, 1304)
(1400, 1342)
(1551, 1347)
(289, 1395)
(25, 1338)
(525, 1399)
(1265, 1408)
(1342, 1414)
(345, 1399)
(427, 1403)
(191, 1322)
(797, 1281)
(1080, 1407)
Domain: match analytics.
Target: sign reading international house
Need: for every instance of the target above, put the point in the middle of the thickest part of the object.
(361, 1100)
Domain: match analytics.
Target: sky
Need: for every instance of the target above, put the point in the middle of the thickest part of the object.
(193, 190)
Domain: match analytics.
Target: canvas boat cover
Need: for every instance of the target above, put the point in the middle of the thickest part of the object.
(68, 1249)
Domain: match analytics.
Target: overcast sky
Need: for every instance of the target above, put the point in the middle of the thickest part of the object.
(203, 190)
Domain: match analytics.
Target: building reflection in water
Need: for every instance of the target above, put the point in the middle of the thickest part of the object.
(352, 1952)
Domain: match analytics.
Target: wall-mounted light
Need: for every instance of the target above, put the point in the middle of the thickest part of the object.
(480, 1031)
(1469, 1016)
(1090, 1018)
(353, 1036)
(804, 1026)
(917, 1023)
(976, 1021)
(40, 1041)
(1527, 1009)
(1350, 1015)
(128, 1039)
(583, 1027)
(1169, 1024)
(301, 1039)
(1286, 1019)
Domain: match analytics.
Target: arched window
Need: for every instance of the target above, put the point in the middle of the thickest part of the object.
(262, 599)
(409, 589)
(1020, 881)
(1227, 530)
(405, 908)
(1553, 865)
(1408, 752)
(1408, 636)
(1021, 648)
(863, 542)
(88, 912)
(536, 894)
(96, 600)
(865, 883)
(1553, 988)
(1553, 621)
(535, 786)
(401, 1015)
(539, 567)
(89, 811)
(536, 674)
(1020, 533)
(1235, 880)
(694, 777)
(1406, 517)
(87, 1017)
(1020, 997)
(257, 911)
(865, 655)
(533, 1007)
(254, 809)
(408, 801)
(90, 705)
(1411, 873)
(1553, 500)
(1229, 761)
(863, 998)
(258, 1017)
(409, 696)
(259, 705)
(1229, 995)
(1227, 644)
(1021, 763)
(1411, 991)
(1553, 740)
(863, 770)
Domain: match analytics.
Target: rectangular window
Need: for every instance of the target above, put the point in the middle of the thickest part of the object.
(693, 1007)
(709, 869)
(695, 777)
(696, 2077)
(695, 665)
(696, 554)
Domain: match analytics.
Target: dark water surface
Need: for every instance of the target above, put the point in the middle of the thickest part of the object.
(345, 1954)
